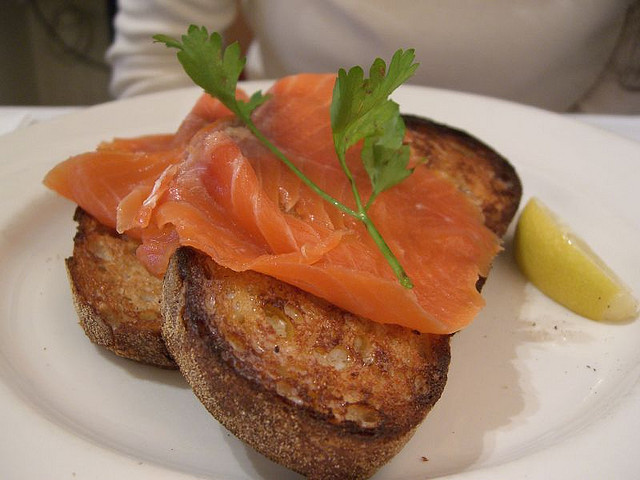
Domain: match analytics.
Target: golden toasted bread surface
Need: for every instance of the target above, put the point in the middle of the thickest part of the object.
(324, 392)
(117, 300)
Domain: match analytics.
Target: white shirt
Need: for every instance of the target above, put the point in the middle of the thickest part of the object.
(554, 54)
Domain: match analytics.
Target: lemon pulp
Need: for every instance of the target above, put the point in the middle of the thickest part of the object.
(563, 267)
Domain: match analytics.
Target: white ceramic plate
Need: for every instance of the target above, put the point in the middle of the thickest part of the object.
(534, 391)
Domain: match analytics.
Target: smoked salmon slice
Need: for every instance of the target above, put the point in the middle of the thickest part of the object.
(214, 187)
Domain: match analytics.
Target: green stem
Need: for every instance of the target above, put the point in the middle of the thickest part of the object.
(273, 149)
(363, 216)
(395, 265)
(360, 214)
(352, 183)
(370, 201)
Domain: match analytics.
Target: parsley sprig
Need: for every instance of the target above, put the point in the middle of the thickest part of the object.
(360, 111)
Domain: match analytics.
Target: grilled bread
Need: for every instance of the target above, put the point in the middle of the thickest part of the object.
(117, 300)
(317, 389)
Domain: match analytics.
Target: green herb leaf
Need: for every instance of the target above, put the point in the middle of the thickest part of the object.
(386, 159)
(216, 70)
(360, 110)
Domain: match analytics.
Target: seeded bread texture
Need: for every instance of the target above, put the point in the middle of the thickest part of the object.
(117, 300)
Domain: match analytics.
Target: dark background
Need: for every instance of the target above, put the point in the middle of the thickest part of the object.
(52, 51)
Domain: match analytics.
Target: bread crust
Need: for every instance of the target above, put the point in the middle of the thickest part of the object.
(116, 299)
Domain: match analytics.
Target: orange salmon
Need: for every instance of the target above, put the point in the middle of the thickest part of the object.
(214, 187)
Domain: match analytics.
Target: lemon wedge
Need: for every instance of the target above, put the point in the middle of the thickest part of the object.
(563, 267)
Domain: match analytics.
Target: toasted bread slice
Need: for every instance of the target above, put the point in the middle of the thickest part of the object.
(117, 300)
(310, 386)
(317, 389)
